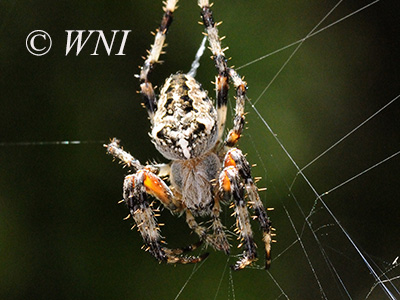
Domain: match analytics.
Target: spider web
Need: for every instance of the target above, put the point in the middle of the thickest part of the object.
(323, 132)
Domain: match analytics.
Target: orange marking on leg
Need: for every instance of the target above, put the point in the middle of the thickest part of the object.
(233, 138)
(222, 82)
(156, 187)
(242, 88)
(229, 161)
(226, 183)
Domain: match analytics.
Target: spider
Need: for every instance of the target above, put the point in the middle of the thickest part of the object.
(205, 169)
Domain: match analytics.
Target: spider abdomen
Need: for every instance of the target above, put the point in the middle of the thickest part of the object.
(192, 179)
(185, 122)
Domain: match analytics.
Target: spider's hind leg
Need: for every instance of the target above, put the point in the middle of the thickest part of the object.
(136, 188)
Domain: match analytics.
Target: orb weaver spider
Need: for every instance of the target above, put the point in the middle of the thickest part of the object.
(205, 169)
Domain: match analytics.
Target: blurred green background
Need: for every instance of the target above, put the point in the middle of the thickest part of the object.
(61, 230)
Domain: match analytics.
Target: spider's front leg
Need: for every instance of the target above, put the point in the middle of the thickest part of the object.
(235, 165)
(146, 88)
(222, 81)
(136, 189)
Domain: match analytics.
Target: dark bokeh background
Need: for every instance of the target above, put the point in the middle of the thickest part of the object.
(61, 231)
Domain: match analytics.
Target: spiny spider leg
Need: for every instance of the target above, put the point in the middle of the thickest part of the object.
(125, 158)
(238, 123)
(156, 50)
(219, 235)
(222, 81)
(218, 240)
(192, 247)
(136, 188)
(128, 160)
(236, 159)
(231, 187)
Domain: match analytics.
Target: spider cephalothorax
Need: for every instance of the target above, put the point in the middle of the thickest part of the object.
(187, 128)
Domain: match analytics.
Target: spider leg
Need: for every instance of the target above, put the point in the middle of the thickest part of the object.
(192, 247)
(157, 188)
(222, 81)
(125, 158)
(136, 189)
(153, 56)
(218, 241)
(236, 159)
(232, 187)
(239, 121)
(128, 160)
(218, 229)
(193, 225)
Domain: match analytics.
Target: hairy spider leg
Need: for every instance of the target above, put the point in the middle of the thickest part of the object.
(125, 158)
(218, 240)
(146, 87)
(141, 211)
(236, 159)
(231, 187)
(222, 81)
(136, 189)
(239, 121)
(219, 235)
